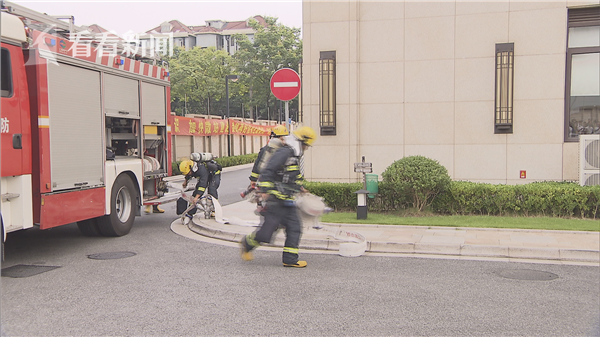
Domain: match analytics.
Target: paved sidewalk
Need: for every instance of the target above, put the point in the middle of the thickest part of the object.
(567, 247)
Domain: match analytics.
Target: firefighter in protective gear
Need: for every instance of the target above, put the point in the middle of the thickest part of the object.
(214, 180)
(154, 209)
(194, 169)
(275, 142)
(279, 182)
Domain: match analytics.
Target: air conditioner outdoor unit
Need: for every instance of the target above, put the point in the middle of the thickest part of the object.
(589, 160)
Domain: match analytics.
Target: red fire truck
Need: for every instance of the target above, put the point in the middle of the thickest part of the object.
(84, 136)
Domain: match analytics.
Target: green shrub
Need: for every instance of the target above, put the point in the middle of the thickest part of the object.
(418, 178)
(339, 196)
(237, 160)
(175, 168)
(554, 199)
(593, 201)
(388, 199)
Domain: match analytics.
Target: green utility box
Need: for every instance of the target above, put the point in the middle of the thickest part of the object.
(372, 184)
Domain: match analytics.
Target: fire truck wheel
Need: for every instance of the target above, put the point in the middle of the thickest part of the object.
(89, 227)
(122, 214)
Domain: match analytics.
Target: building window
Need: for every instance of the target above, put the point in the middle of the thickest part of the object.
(6, 73)
(505, 56)
(582, 104)
(327, 93)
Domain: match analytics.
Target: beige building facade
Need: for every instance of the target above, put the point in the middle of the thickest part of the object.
(497, 92)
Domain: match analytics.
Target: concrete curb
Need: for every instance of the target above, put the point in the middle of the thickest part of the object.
(459, 250)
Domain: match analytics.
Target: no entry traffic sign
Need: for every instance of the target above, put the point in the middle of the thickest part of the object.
(285, 84)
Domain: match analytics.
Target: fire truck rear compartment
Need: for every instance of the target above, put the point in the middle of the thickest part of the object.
(81, 115)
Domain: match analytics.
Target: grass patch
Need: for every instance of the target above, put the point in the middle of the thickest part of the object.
(507, 222)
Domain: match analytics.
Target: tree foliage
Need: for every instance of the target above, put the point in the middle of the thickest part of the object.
(198, 75)
(273, 47)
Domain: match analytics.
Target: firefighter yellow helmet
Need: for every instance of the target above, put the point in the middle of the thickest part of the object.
(185, 166)
(279, 130)
(306, 135)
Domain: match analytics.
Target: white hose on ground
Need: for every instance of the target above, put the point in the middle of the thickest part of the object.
(312, 208)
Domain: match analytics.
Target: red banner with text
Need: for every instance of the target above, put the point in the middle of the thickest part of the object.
(241, 128)
(185, 126)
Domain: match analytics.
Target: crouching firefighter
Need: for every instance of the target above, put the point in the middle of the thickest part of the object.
(197, 168)
(280, 180)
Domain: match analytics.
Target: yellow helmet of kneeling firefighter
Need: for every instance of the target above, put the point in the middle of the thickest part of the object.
(186, 166)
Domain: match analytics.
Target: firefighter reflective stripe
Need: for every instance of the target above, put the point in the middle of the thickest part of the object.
(254, 175)
(292, 168)
(250, 240)
(290, 250)
(201, 189)
(266, 184)
(279, 195)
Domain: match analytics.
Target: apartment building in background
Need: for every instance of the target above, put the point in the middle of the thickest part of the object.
(216, 33)
(497, 92)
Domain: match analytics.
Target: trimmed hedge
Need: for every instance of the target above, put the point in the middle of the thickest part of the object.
(339, 196)
(554, 199)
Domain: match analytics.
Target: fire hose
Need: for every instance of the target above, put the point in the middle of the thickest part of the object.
(202, 202)
(312, 207)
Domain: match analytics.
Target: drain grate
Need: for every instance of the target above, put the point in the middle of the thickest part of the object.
(527, 275)
(111, 255)
(23, 270)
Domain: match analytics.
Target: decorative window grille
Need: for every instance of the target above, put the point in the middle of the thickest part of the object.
(505, 56)
(327, 93)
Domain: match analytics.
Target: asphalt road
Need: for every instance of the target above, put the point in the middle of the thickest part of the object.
(174, 286)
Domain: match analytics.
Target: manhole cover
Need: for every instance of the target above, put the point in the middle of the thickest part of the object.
(23, 270)
(110, 255)
(527, 274)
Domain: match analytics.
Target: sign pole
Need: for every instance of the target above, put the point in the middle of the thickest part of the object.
(364, 175)
(287, 114)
